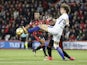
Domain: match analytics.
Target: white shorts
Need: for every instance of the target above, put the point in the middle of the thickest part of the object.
(56, 33)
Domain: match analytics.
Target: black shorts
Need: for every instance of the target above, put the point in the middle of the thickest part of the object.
(23, 39)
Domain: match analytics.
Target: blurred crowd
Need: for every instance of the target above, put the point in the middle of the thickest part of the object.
(15, 13)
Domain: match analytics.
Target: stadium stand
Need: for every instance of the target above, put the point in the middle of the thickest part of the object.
(15, 13)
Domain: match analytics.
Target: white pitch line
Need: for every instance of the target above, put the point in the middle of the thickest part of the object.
(38, 61)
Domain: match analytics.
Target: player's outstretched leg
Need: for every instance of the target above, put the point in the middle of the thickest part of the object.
(30, 30)
(36, 28)
(33, 29)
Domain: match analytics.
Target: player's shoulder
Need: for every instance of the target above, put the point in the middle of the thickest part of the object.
(65, 16)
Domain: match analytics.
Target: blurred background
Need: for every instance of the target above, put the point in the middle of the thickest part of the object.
(16, 13)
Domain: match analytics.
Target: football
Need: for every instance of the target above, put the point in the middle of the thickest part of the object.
(19, 31)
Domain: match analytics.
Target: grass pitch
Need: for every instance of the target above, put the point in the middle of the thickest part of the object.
(26, 57)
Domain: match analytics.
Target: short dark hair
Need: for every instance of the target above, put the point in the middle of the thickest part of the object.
(66, 7)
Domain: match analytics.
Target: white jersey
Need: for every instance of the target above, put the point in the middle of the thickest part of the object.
(60, 22)
(57, 29)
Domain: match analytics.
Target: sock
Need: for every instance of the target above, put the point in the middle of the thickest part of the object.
(49, 48)
(49, 51)
(65, 54)
(60, 52)
(44, 50)
(33, 29)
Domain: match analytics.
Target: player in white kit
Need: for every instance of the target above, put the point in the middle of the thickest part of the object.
(55, 30)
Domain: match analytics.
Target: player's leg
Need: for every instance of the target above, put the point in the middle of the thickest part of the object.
(69, 57)
(44, 27)
(30, 30)
(26, 45)
(65, 53)
(56, 45)
(59, 50)
(42, 46)
(51, 30)
(49, 53)
(39, 27)
(49, 48)
(61, 46)
(36, 28)
(56, 37)
(44, 51)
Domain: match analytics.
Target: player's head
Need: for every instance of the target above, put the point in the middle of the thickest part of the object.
(36, 15)
(64, 8)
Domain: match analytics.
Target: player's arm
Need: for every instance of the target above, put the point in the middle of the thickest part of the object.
(67, 22)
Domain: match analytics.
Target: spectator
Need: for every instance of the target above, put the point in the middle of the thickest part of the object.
(15, 13)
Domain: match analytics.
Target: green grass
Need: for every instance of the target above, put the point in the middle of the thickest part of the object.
(26, 57)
